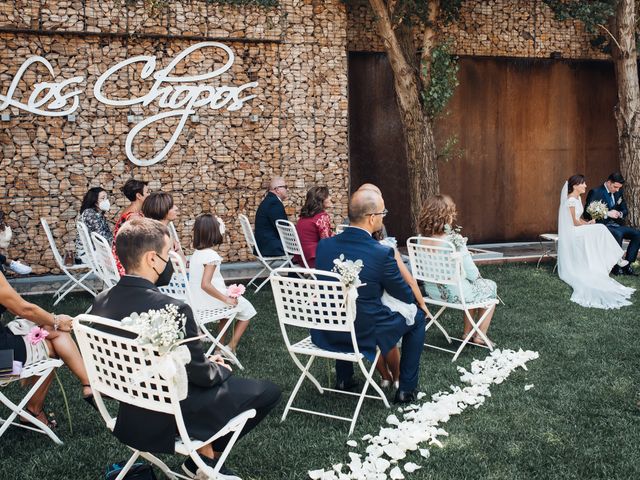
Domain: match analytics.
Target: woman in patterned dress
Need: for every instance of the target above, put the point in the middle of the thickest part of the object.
(314, 223)
(95, 205)
(438, 213)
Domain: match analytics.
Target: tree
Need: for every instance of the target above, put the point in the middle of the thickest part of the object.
(424, 77)
(614, 23)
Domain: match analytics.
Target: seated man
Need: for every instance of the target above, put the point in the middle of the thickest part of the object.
(375, 324)
(271, 209)
(611, 194)
(215, 395)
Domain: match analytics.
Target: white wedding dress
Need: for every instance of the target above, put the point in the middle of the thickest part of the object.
(586, 255)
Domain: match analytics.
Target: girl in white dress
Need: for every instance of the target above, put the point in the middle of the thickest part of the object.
(587, 252)
(205, 280)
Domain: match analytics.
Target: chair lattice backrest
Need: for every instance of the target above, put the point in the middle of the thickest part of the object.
(174, 233)
(89, 256)
(247, 231)
(311, 303)
(179, 285)
(289, 237)
(105, 261)
(52, 243)
(434, 260)
(120, 368)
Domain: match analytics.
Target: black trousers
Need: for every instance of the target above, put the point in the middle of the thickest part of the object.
(263, 404)
(631, 234)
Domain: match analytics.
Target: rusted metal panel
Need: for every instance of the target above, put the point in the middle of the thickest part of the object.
(523, 126)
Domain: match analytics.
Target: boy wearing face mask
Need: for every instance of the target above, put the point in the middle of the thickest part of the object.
(95, 205)
(5, 239)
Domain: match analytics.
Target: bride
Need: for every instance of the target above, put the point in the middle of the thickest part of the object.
(587, 252)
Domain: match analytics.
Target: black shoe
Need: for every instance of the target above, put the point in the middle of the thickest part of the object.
(347, 385)
(616, 270)
(405, 397)
(629, 271)
(190, 468)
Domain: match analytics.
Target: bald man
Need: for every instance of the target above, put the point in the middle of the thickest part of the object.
(270, 210)
(375, 324)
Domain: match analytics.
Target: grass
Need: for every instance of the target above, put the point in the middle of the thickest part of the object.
(580, 421)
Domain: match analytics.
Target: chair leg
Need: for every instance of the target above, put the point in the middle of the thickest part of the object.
(475, 328)
(158, 463)
(128, 465)
(215, 342)
(434, 320)
(368, 374)
(75, 281)
(305, 373)
(256, 276)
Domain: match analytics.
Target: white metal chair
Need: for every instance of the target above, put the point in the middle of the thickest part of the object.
(549, 250)
(115, 365)
(268, 263)
(179, 288)
(105, 260)
(41, 369)
(309, 303)
(73, 272)
(290, 242)
(340, 228)
(436, 261)
(89, 255)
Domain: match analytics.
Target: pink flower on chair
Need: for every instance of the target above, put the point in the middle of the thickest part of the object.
(37, 335)
(235, 290)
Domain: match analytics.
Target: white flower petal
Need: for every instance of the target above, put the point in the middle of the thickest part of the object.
(396, 474)
(411, 467)
(352, 443)
(528, 387)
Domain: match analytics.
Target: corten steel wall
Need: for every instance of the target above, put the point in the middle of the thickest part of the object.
(524, 126)
(295, 51)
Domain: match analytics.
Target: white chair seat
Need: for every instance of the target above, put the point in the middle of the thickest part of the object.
(552, 237)
(307, 347)
(459, 306)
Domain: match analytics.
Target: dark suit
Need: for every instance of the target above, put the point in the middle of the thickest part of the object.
(375, 323)
(215, 395)
(616, 225)
(267, 238)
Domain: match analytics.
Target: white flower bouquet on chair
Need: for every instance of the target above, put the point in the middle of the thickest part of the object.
(163, 330)
(349, 272)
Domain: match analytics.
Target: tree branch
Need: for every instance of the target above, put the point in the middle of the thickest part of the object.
(428, 42)
(611, 35)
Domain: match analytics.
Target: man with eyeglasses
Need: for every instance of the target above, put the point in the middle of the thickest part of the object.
(376, 325)
(270, 210)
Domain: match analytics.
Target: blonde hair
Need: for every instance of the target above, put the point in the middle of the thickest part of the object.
(437, 211)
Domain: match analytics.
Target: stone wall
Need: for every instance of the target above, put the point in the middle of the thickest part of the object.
(297, 125)
(495, 28)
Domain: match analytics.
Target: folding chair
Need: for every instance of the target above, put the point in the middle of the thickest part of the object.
(115, 366)
(89, 256)
(76, 279)
(268, 263)
(41, 369)
(290, 242)
(549, 251)
(179, 288)
(436, 261)
(105, 262)
(309, 303)
(340, 228)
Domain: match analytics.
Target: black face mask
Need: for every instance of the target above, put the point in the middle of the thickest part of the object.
(164, 278)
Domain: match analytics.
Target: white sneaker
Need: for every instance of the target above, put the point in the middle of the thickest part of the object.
(622, 263)
(20, 268)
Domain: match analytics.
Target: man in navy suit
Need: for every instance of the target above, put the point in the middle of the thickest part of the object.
(270, 210)
(611, 194)
(375, 324)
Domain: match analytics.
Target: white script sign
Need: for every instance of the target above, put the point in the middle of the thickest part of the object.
(178, 96)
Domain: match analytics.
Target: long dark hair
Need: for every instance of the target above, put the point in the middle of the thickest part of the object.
(314, 203)
(575, 180)
(90, 199)
(206, 232)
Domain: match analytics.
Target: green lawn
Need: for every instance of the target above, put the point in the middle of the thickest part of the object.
(581, 420)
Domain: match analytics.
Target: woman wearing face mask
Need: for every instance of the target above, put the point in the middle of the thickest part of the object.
(95, 205)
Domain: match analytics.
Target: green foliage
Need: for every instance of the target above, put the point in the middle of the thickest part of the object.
(451, 149)
(263, 3)
(591, 13)
(155, 6)
(443, 82)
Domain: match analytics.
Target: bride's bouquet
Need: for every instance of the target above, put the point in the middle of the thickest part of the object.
(598, 210)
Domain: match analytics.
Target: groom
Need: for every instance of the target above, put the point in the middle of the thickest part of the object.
(611, 194)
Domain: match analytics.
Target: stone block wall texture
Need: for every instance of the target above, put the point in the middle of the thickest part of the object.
(296, 127)
(494, 28)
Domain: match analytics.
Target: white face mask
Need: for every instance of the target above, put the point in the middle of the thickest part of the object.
(104, 205)
(5, 237)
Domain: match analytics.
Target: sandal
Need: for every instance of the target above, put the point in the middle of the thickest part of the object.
(89, 398)
(47, 418)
